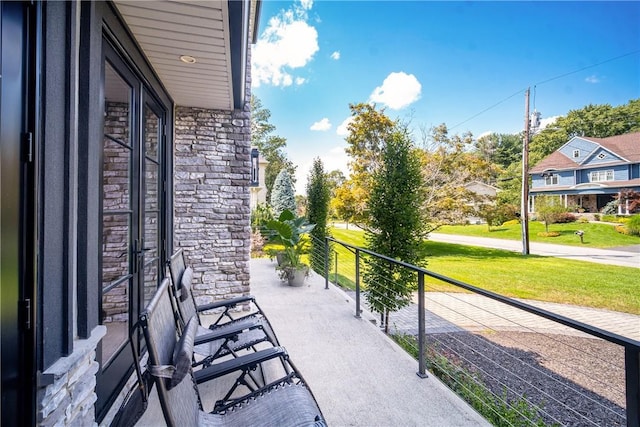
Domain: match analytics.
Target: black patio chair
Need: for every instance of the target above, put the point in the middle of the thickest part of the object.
(230, 332)
(286, 401)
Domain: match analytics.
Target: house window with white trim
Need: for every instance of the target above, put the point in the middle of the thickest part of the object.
(599, 176)
(576, 154)
(551, 179)
(602, 155)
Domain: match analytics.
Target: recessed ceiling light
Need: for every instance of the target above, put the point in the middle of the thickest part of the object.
(188, 59)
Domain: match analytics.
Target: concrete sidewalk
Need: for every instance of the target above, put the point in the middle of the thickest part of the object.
(581, 253)
(358, 375)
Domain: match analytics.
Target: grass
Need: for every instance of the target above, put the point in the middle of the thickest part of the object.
(596, 235)
(498, 410)
(513, 275)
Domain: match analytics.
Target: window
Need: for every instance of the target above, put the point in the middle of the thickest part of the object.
(551, 179)
(604, 175)
(602, 155)
(576, 153)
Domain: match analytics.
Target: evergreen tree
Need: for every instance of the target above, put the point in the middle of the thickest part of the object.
(283, 196)
(397, 225)
(318, 194)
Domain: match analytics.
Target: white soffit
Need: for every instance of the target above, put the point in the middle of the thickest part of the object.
(167, 30)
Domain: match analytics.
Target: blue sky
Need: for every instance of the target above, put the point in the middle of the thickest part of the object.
(436, 62)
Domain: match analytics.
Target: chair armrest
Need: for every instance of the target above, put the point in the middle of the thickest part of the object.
(238, 363)
(228, 330)
(226, 303)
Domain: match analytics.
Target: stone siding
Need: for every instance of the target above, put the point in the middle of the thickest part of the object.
(211, 199)
(70, 397)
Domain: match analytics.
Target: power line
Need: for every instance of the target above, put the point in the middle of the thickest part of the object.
(543, 82)
(587, 67)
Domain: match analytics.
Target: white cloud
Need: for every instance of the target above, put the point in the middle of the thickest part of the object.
(592, 79)
(288, 43)
(335, 55)
(547, 121)
(397, 91)
(343, 128)
(322, 125)
(306, 4)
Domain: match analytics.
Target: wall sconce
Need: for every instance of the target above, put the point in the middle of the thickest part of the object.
(255, 168)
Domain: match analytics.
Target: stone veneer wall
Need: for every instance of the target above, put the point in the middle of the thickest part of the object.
(211, 199)
(70, 398)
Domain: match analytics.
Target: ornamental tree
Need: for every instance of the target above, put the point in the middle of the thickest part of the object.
(283, 195)
(397, 225)
(318, 212)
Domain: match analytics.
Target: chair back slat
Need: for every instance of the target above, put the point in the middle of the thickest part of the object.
(177, 266)
(180, 405)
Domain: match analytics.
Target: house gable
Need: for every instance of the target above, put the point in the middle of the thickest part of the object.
(602, 156)
(578, 149)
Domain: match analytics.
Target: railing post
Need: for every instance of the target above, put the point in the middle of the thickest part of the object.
(326, 263)
(422, 372)
(335, 268)
(358, 283)
(632, 375)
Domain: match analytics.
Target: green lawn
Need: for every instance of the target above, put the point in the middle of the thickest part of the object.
(511, 274)
(596, 235)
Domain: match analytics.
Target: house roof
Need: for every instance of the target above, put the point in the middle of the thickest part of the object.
(626, 146)
(215, 33)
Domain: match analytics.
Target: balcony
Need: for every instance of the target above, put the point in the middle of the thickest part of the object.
(537, 362)
(359, 376)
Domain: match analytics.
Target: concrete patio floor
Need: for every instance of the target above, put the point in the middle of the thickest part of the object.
(358, 375)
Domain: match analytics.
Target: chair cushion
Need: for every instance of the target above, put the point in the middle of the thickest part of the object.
(183, 353)
(185, 284)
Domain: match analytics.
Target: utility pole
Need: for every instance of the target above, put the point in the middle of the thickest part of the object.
(524, 209)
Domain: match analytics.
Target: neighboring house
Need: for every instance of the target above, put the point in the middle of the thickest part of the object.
(258, 186)
(484, 193)
(125, 134)
(587, 173)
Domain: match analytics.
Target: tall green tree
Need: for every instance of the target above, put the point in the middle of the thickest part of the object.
(271, 146)
(368, 132)
(318, 212)
(448, 163)
(283, 197)
(397, 225)
(502, 149)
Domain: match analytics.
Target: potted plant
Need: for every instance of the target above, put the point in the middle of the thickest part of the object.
(288, 231)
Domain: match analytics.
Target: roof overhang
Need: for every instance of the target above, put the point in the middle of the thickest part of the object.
(214, 33)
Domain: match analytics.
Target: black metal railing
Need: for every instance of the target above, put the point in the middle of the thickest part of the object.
(509, 351)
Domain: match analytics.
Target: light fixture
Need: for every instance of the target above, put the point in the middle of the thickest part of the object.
(187, 59)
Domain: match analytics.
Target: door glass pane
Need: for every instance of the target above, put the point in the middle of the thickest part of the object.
(116, 213)
(151, 132)
(152, 127)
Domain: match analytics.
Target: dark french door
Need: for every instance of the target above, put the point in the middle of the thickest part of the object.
(17, 190)
(132, 219)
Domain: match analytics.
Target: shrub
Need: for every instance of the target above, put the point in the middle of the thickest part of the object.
(260, 216)
(622, 229)
(549, 234)
(511, 222)
(257, 244)
(633, 225)
(565, 217)
(596, 217)
(610, 208)
(583, 220)
(610, 218)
